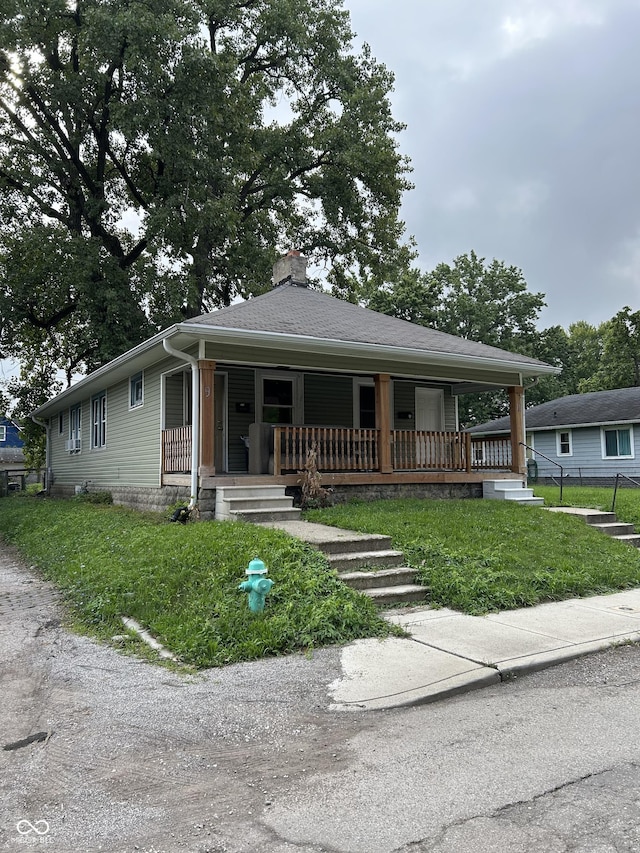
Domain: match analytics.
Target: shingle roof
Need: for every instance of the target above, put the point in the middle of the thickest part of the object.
(597, 407)
(294, 310)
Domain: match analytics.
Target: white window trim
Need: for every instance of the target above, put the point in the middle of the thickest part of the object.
(611, 428)
(3, 432)
(132, 378)
(95, 399)
(297, 411)
(559, 452)
(75, 429)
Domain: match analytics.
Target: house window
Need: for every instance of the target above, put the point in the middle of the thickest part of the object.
(61, 423)
(277, 401)
(617, 443)
(75, 428)
(99, 420)
(136, 391)
(3, 432)
(563, 443)
(367, 404)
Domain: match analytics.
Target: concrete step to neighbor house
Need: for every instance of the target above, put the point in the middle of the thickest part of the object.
(398, 576)
(605, 522)
(615, 529)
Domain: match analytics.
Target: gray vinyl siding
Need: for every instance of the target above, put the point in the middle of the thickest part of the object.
(586, 458)
(328, 400)
(174, 399)
(131, 456)
(241, 388)
(404, 400)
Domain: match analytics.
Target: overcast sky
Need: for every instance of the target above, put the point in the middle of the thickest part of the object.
(523, 127)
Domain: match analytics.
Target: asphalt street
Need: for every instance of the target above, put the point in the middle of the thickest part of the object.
(137, 757)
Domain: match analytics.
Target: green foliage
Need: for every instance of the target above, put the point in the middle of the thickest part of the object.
(479, 556)
(156, 155)
(619, 365)
(181, 581)
(100, 498)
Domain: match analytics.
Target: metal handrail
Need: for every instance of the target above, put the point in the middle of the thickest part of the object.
(615, 488)
(553, 462)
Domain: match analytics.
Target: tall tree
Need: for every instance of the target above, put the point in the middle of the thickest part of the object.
(166, 150)
(619, 363)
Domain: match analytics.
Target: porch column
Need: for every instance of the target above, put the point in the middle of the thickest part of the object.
(207, 453)
(383, 421)
(516, 415)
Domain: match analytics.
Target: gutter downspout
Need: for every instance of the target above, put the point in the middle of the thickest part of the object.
(195, 415)
(46, 451)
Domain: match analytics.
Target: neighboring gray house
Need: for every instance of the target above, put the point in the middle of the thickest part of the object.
(240, 395)
(592, 436)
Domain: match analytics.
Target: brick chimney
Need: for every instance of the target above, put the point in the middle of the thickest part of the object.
(291, 269)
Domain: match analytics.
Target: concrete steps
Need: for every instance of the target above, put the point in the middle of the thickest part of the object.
(256, 504)
(369, 565)
(509, 490)
(605, 522)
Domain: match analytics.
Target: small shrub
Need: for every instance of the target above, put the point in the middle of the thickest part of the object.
(94, 498)
(314, 494)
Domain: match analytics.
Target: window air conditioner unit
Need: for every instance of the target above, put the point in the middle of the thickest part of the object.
(73, 444)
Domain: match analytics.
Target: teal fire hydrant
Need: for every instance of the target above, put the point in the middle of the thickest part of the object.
(257, 585)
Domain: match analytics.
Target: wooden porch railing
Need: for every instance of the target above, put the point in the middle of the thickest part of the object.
(176, 450)
(423, 450)
(337, 448)
(490, 453)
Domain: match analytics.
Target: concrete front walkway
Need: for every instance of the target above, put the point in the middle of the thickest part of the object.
(448, 652)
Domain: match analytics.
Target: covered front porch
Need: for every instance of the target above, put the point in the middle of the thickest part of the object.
(346, 455)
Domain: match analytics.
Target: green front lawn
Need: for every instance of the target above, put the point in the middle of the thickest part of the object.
(477, 556)
(180, 581)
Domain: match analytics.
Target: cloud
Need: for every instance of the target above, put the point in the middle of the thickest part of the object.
(524, 132)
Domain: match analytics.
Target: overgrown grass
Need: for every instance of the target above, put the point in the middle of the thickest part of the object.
(478, 556)
(627, 506)
(181, 581)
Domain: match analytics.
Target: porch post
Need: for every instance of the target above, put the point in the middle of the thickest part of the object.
(207, 386)
(383, 421)
(516, 416)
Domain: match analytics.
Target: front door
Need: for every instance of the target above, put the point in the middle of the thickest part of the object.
(429, 418)
(220, 422)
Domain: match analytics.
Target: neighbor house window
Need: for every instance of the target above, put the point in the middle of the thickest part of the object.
(563, 443)
(3, 432)
(61, 423)
(75, 428)
(617, 443)
(136, 391)
(99, 420)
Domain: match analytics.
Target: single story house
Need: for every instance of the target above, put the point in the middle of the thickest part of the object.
(592, 437)
(240, 396)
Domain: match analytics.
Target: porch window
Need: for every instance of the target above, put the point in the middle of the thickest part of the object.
(99, 420)
(3, 432)
(617, 443)
(563, 443)
(136, 391)
(277, 401)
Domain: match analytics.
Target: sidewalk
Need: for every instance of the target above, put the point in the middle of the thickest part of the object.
(449, 652)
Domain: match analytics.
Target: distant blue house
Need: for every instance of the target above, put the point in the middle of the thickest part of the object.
(592, 436)
(11, 445)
